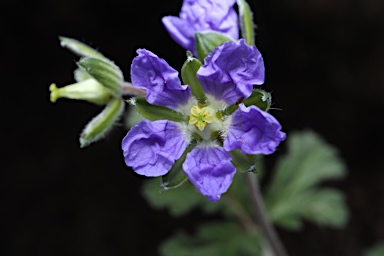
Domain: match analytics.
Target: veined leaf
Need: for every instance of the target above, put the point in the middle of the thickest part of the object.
(293, 193)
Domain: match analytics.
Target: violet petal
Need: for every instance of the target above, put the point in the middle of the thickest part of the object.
(151, 148)
(160, 81)
(210, 169)
(253, 131)
(231, 70)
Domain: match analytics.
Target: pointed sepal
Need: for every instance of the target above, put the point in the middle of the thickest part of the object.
(243, 162)
(153, 112)
(259, 98)
(188, 75)
(176, 176)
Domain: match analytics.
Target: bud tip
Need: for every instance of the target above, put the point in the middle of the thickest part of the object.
(54, 92)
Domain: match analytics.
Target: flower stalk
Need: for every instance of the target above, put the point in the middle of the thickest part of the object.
(261, 215)
(128, 89)
(245, 219)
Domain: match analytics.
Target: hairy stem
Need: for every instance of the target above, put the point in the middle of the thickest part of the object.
(128, 89)
(261, 216)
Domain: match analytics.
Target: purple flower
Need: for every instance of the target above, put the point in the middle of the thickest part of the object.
(202, 16)
(210, 169)
(231, 70)
(151, 148)
(160, 81)
(253, 131)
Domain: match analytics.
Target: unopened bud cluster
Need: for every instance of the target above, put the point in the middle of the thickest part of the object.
(99, 81)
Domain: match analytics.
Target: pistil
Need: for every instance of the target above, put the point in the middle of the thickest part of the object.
(200, 117)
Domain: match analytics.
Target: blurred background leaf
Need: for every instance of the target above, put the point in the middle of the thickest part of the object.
(293, 195)
(178, 201)
(213, 239)
(181, 200)
(378, 250)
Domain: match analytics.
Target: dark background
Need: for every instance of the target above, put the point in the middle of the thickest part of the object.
(325, 66)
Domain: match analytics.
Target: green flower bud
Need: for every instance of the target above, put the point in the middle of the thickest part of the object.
(89, 90)
(80, 48)
(105, 72)
(206, 42)
(100, 125)
(246, 22)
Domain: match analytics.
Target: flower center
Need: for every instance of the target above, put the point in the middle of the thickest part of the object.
(205, 123)
(200, 117)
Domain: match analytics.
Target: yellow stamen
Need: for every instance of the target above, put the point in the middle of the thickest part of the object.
(200, 117)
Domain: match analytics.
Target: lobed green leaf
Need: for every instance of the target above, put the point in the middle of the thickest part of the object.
(293, 192)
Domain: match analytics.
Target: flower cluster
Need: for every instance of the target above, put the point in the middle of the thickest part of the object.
(202, 127)
(216, 118)
(228, 74)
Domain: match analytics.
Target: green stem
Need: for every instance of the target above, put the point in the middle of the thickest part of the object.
(243, 216)
(261, 216)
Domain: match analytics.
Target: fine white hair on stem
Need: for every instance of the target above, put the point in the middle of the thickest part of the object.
(128, 89)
